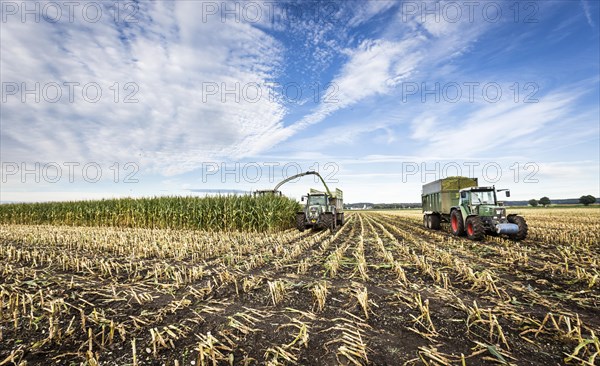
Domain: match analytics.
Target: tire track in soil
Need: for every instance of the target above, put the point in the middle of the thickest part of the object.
(386, 338)
(389, 319)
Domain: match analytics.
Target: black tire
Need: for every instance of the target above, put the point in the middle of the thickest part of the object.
(426, 221)
(523, 228)
(300, 222)
(328, 221)
(333, 223)
(456, 223)
(475, 229)
(340, 219)
(434, 222)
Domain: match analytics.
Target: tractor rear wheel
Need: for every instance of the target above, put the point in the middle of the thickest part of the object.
(300, 222)
(475, 229)
(434, 222)
(522, 224)
(456, 223)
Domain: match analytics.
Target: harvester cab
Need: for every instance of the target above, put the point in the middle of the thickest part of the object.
(267, 192)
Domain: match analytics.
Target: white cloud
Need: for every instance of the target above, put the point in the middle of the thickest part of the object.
(587, 12)
(169, 53)
(365, 11)
(423, 127)
(497, 125)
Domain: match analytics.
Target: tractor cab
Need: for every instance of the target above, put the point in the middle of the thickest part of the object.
(267, 192)
(483, 197)
(482, 201)
(473, 198)
(316, 200)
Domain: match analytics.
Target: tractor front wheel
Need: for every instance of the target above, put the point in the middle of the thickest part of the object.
(456, 223)
(300, 221)
(522, 224)
(329, 221)
(475, 229)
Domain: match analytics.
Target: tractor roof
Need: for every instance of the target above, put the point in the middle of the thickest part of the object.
(478, 189)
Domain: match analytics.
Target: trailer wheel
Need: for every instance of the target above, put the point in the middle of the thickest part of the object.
(475, 229)
(426, 221)
(456, 223)
(300, 224)
(340, 219)
(434, 222)
(522, 224)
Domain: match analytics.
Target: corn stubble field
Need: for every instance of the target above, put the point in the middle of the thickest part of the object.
(382, 290)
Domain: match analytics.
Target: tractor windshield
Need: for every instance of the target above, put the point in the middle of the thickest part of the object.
(482, 197)
(316, 200)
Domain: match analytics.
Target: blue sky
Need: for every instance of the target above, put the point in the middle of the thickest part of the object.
(105, 99)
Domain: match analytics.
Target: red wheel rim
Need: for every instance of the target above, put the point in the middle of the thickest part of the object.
(454, 223)
(470, 228)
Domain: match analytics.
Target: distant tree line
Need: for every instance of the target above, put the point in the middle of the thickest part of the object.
(587, 200)
(545, 201)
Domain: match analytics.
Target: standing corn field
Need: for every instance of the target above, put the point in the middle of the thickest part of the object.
(245, 213)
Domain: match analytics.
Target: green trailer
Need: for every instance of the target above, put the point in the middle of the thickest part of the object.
(470, 209)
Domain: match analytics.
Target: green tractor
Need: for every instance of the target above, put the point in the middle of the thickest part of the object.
(323, 210)
(471, 210)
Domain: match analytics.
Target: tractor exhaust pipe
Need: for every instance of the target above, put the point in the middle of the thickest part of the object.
(507, 228)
